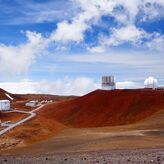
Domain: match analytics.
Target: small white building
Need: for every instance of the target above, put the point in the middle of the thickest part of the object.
(31, 103)
(4, 105)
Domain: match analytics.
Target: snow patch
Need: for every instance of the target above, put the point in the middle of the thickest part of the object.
(9, 96)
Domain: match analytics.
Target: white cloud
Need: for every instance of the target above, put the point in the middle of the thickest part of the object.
(90, 13)
(97, 49)
(128, 84)
(23, 86)
(125, 34)
(66, 86)
(74, 31)
(133, 35)
(156, 43)
(124, 12)
(152, 10)
(17, 59)
(67, 32)
(131, 7)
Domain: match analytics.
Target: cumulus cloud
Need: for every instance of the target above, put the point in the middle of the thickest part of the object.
(152, 10)
(67, 32)
(125, 34)
(17, 59)
(125, 13)
(132, 35)
(157, 42)
(74, 31)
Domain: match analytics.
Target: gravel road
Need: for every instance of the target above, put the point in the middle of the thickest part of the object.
(31, 115)
(134, 156)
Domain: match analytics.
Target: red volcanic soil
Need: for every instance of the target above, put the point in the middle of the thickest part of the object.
(106, 108)
(13, 117)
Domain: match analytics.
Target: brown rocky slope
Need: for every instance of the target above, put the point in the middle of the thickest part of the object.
(106, 108)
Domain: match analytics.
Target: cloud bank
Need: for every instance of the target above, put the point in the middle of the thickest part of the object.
(68, 86)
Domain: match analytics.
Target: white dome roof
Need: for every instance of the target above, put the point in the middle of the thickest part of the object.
(151, 82)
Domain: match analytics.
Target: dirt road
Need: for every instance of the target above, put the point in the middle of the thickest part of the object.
(12, 126)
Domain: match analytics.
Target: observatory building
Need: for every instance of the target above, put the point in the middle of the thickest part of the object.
(4, 105)
(108, 83)
(31, 103)
(151, 83)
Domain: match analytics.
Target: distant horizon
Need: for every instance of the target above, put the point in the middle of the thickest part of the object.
(139, 88)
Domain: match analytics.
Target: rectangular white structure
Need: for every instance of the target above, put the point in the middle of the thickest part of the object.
(4, 105)
(31, 103)
(108, 83)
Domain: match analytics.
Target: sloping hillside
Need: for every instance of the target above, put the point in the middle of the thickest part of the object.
(106, 108)
(68, 125)
(5, 95)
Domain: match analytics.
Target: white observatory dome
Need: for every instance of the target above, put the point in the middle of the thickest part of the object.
(151, 82)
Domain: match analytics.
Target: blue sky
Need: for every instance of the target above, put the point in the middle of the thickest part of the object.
(65, 46)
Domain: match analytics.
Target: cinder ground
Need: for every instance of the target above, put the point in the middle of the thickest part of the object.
(12, 116)
(138, 143)
(147, 133)
(128, 156)
(51, 139)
